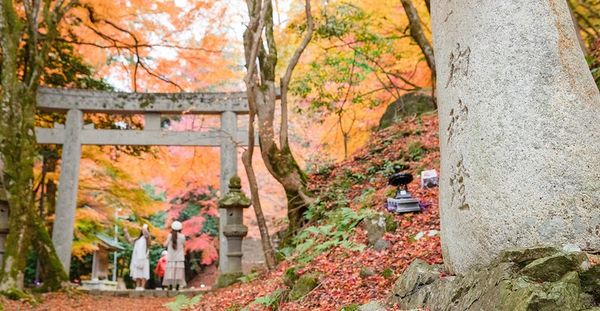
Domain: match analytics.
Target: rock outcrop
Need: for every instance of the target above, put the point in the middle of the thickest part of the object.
(520, 279)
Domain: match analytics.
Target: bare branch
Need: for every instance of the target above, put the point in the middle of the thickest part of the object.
(285, 80)
(252, 36)
(416, 31)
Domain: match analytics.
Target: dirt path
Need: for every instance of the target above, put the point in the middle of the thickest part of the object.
(83, 302)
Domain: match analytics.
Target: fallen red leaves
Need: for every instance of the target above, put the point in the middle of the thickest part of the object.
(341, 283)
(83, 302)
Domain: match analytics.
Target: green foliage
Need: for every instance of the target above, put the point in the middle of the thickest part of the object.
(390, 167)
(387, 273)
(290, 276)
(247, 278)
(80, 266)
(354, 177)
(303, 286)
(333, 230)
(151, 192)
(272, 300)
(182, 302)
(390, 223)
(416, 151)
(355, 54)
(351, 307)
(158, 220)
(366, 197)
(211, 226)
(192, 209)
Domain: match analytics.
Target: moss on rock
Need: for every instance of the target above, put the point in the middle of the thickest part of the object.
(227, 279)
(552, 268)
(553, 281)
(304, 285)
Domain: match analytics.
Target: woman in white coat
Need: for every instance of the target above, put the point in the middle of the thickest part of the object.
(175, 271)
(139, 269)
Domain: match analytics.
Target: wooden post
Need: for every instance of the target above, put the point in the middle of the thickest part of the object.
(228, 169)
(62, 231)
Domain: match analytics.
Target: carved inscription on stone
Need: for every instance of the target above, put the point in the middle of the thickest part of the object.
(457, 183)
(458, 117)
(459, 64)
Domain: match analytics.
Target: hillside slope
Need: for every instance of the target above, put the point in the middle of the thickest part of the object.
(332, 247)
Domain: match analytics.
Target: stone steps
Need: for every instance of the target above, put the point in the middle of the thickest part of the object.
(146, 293)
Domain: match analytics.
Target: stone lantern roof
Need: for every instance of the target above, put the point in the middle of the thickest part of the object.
(235, 198)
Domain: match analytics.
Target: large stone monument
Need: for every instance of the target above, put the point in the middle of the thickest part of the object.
(519, 129)
(234, 202)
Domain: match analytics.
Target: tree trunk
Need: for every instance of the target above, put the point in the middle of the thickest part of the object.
(417, 33)
(18, 150)
(261, 61)
(18, 144)
(260, 217)
(519, 122)
(281, 163)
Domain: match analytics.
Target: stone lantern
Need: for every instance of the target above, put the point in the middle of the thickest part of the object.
(234, 202)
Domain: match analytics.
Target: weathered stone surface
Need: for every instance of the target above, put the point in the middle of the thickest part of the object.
(500, 286)
(554, 267)
(372, 306)
(66, 201)
(526, 255)
(375, 227)
(381, 245)
(233, 228)
(519, 130)
(50, 99)
(419, 273)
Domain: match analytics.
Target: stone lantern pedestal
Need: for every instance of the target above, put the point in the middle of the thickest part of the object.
(234, 202)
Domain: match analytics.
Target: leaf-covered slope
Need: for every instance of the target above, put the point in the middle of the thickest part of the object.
(333, 244)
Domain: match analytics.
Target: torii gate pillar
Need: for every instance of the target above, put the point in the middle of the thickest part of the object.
(62, 230)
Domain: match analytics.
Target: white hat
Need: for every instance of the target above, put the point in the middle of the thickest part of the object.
(176, 225)
(145, 226)
(164, 253)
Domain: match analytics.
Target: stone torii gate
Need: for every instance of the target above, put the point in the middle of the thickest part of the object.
(72, 135)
